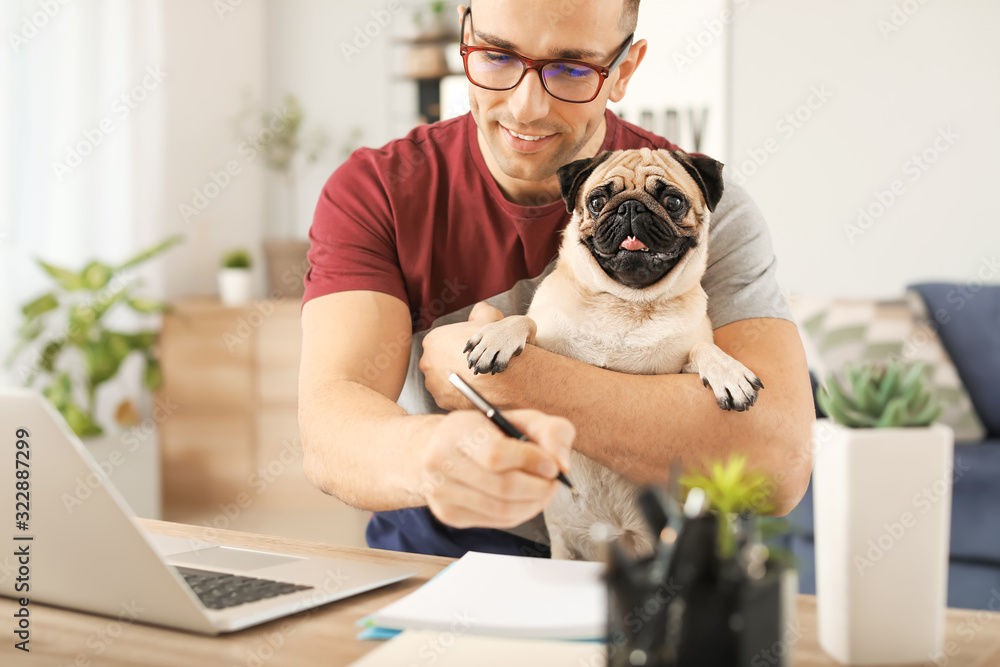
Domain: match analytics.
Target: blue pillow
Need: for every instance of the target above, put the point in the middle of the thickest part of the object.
(967, 317)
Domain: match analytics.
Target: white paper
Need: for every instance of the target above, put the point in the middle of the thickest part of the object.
(426, 647)
(507, 596)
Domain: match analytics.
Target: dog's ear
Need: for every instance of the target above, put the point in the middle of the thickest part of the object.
(573, 175)
(706, 172)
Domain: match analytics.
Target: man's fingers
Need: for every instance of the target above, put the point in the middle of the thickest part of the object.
(553, 434)
(516, 485)
(463, 506)
(483, 313)
(501, 454)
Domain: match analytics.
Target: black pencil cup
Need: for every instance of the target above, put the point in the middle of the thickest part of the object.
(707, 612)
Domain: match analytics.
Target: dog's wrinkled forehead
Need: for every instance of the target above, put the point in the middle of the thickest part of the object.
(638, 169)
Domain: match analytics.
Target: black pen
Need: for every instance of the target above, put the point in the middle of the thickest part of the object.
(494, 416)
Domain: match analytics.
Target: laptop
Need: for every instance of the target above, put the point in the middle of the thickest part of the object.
(72, 541)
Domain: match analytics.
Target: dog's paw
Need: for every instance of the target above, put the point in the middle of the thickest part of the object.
(735, 386)
(493, 346)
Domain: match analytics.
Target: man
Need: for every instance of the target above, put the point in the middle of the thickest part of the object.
(469, 209)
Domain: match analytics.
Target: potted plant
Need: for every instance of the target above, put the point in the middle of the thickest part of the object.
(70, 347)
(882, 505)
(279, 138)
(235, 278)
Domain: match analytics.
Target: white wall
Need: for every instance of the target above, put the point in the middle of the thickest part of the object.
(313, 52)
(893, 93)
(211, 57)
(685, 70)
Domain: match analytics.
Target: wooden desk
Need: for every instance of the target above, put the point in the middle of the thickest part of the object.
(326, 636)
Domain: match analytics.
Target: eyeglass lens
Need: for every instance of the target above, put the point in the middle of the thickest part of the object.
(501, 71)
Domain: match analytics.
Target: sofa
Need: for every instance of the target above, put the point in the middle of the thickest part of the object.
(959, 330)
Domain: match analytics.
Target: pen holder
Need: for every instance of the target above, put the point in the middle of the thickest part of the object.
(702, 610)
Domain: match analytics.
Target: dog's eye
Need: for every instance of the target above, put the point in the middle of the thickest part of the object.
(673, 204)
(596, 203)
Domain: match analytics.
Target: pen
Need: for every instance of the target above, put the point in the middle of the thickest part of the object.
(494, 416)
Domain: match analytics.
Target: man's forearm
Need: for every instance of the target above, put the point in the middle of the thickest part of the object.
(638, 424)
(363, 448)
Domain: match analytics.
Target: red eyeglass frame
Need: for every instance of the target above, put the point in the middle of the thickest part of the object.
(537, 65)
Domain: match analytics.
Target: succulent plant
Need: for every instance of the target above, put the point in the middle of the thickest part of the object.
(882, 396)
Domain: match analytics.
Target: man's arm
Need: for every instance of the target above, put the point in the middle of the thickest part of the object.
(637, 425)
(366, 450)
(348, 384)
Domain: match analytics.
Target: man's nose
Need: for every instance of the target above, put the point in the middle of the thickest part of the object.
(529, 101)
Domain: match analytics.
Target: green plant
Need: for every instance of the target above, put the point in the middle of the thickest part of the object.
(881, 396)
(731, 489)
(277, 135)
(65, 340)
(236, 259)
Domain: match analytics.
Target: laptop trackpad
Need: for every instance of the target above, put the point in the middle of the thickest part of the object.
(228, 557)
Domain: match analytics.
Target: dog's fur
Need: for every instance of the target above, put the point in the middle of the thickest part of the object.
(629, 310)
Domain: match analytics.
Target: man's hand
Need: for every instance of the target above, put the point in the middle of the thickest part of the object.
(443, 355)
(475, 476)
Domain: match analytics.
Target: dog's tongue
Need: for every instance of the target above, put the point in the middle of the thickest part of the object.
(632, 243)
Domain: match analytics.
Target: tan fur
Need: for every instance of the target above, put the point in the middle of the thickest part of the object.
(579, 311)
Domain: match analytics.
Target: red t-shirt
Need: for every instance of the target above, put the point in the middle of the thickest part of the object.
(423, 220)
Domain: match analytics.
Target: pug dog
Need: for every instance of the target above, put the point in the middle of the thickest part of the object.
(626, 295)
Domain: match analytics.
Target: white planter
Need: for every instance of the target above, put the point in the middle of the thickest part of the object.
(234, 286)
(882, 516)
(130, 460)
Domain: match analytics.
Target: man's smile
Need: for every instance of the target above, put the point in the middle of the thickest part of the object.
(525, 142)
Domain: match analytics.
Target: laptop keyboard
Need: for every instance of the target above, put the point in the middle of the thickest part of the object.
(218, 590)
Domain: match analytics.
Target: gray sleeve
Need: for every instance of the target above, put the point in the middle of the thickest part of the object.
(740, 280)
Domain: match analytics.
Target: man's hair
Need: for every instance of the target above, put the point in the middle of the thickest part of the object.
(630, 15)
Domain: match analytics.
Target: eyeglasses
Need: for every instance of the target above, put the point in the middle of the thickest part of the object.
(567, 80)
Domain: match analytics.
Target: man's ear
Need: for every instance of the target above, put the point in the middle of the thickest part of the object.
(706, 172)
(573, 175)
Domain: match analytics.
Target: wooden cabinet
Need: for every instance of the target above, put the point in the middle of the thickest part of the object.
(231, 452)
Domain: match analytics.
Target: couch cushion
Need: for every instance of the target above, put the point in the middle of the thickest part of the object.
(970, 585)
(968, 322)
(975, 504)
(836, 332)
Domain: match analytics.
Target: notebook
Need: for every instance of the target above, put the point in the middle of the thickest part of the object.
(506, 596)
(432, 648)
